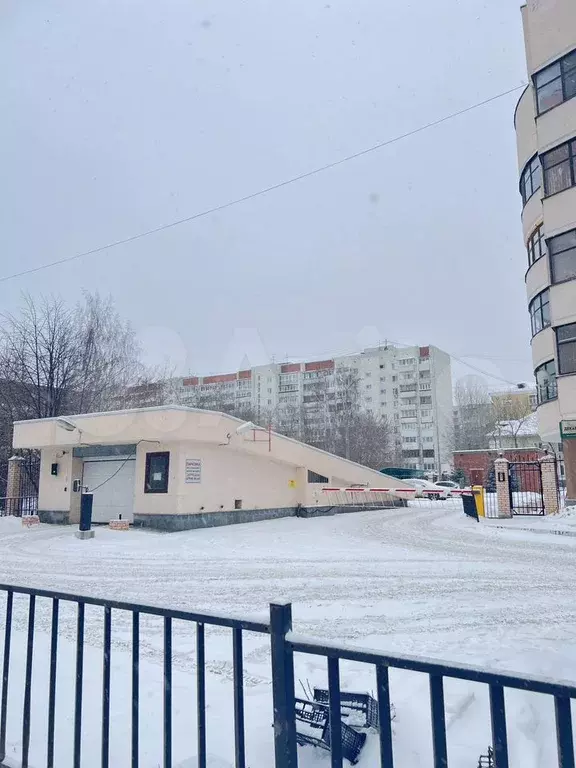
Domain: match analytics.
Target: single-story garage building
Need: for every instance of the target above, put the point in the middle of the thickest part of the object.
(174, 467)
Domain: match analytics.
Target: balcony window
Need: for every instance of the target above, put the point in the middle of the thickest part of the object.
(546, 388)
(536, 245)
(531, 179)
(562, 250)
(559, 168)
(539, 309)
(566, 343)
(556, 83)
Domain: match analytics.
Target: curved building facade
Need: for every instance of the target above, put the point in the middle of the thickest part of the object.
(545, 123)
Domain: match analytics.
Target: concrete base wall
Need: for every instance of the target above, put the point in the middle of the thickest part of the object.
(56, 517)
(170, 523)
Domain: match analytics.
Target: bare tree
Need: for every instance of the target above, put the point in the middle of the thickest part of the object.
(511, 414)
(474, 417)
(57, 359)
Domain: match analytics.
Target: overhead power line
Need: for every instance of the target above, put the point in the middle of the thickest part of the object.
(260, 192)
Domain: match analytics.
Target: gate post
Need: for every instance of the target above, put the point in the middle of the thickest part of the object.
(283, 686)
(549, 484)
(502, 477)
(14, 485)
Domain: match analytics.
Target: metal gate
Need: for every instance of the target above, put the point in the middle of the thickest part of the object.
(526, 488)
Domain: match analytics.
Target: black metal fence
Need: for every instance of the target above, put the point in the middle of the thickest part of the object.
(283, 647)
(526, 497)
(24, 498)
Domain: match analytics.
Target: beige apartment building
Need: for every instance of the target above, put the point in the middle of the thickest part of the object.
(545, 124)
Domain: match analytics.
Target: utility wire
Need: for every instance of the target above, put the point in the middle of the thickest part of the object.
(260, 192)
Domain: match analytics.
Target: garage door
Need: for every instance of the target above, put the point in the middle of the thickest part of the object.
(112, 483)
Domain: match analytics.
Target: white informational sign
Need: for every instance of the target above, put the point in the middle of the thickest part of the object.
(193, 471)
(568, 428)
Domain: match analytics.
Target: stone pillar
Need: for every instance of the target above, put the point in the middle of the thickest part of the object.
(14, 485)
(569, 451)
(549, 484)
(502, 477)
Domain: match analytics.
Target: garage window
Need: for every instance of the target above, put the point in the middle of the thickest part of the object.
(314, 477)
(156, 479)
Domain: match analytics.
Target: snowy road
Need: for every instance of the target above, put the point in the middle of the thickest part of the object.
(405, 578)
(424, 581)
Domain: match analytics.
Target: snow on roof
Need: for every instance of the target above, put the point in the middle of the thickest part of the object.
(518, 427)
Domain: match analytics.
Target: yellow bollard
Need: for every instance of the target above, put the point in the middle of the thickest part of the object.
(478, 492)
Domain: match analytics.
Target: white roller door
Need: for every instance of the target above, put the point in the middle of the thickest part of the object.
(112, 482)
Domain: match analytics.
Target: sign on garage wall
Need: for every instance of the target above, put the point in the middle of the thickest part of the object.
(568, 429)
(193, 471)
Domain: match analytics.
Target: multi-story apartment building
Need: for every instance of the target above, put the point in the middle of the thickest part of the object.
(545, 123)
(411, 387)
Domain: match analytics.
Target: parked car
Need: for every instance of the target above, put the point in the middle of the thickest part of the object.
(427, 490)
(450, 486)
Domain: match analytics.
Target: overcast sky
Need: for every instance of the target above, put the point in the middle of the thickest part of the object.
(122, 115)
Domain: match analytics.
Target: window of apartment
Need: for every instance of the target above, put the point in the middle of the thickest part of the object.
(368, 399)
(428, 453)
(410, 439)
(563, 256)
(559, 166)
(539, 309)
(382, 378)
(411, 426)
(426, 400)
(394, 378)
(429, 465)
(530, 179)
(407, 376)
(566, 343)
(368, 386)
(408, 401)
(382, 365)
(536, 245)
(383, 404)
(427, 439)
(410, 414)
(425, 413)
(546, 387)
(368, 374)
(556, 83)
(156, 474)
(424, 374)
(382, 391)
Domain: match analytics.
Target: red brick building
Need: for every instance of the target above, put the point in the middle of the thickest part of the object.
(476, 465)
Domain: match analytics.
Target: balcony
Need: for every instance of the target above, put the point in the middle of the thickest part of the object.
(547, 391)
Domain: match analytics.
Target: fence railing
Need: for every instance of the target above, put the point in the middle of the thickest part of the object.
(17, 506)
(284, 644)
(200, 620)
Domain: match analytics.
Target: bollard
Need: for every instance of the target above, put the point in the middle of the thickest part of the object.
(85, 528)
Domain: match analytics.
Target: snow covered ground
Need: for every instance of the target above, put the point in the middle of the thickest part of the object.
(424, 581)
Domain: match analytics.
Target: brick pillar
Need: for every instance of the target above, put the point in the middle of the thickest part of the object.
(549, 484)
(569, 451)
(502, 477)
(14, 485)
